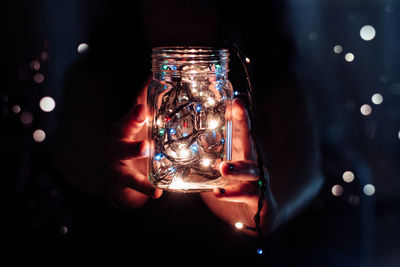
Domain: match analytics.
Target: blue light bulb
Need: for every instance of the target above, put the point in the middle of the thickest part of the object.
(260, 251)
(198, 108)
(158, 156)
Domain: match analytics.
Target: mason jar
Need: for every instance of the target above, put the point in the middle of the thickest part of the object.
(190, 125)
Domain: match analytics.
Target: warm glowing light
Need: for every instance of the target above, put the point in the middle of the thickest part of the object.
(47, 104)
(39, 135)
(367, 32)
(213, 124)
(210, 101)
(45, 56)
(239, 225)
(16, 109)
(348, 176)
(369, 189)
(337, 190)
(26, 117)
(206, 162)
(366, 109)
(349, 57)
(247, 60)
(377, 99)
(38, 78)
(183, 151)
(35, 65)
(83, 47)
(337, 49)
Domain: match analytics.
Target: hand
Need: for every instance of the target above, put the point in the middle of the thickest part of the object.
(127, 183)
(243, 169)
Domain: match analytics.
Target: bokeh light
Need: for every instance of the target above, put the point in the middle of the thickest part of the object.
(369, 189)
(377, 99)
(337, 190)
(38, 78)
(26, 117)
(337, 49)
(349, 57)
(366, 109)
(83, 47)
(348, 176)
(16, 109)
(47, 104)
(367, 32)
(354, 200)
(239, 225)
(39, 135)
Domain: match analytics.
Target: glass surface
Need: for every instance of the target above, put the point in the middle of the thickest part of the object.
(190, 101)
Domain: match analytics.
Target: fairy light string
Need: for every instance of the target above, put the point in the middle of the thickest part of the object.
(245, 61)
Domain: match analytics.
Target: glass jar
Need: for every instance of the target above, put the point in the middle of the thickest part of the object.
(190, 125)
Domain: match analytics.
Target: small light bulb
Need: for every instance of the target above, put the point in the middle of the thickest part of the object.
(260, 251)
(239, 225)
(212, 124)
(206, 162)
(247, 60)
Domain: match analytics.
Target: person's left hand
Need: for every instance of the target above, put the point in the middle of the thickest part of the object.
(243, 170)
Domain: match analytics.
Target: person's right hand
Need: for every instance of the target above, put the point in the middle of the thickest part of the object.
(127, 185)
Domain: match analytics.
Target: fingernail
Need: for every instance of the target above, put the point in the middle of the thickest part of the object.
(231, 167)
(140, 113)
(222, 190)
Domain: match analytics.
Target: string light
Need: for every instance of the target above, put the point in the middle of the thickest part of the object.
(239, 225)
(38, 78)
(16, 109)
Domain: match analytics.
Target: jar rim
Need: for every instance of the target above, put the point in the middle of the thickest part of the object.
(190, 50)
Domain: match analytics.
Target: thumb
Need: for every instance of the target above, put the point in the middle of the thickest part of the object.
(131, 123)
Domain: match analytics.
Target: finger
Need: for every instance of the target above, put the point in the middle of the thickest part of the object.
(242, 143)
(140, 183)
(242, 170)
(247, 192)
(125, 149)
(125, 198)
(131, 123)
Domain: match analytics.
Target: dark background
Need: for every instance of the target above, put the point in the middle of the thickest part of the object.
(43, 216)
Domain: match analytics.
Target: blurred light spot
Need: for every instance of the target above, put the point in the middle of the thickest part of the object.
(236, 93)
(398, 134)
(63, 230)
(349, 57)
(239, 225)
(348, 176)
(16, 109)
(369, 189)
(206, 162)
(248, 60)
(83, 47)
(39, 135)
(337, 49)
(47, 104)
(26, 117)
(377, 99)
(35, 65)
(260, 251)
(313, 36)
(45, 56)
(337, 190)
(38, 78)
(366, 109)
(354, 200)
(367, 32)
